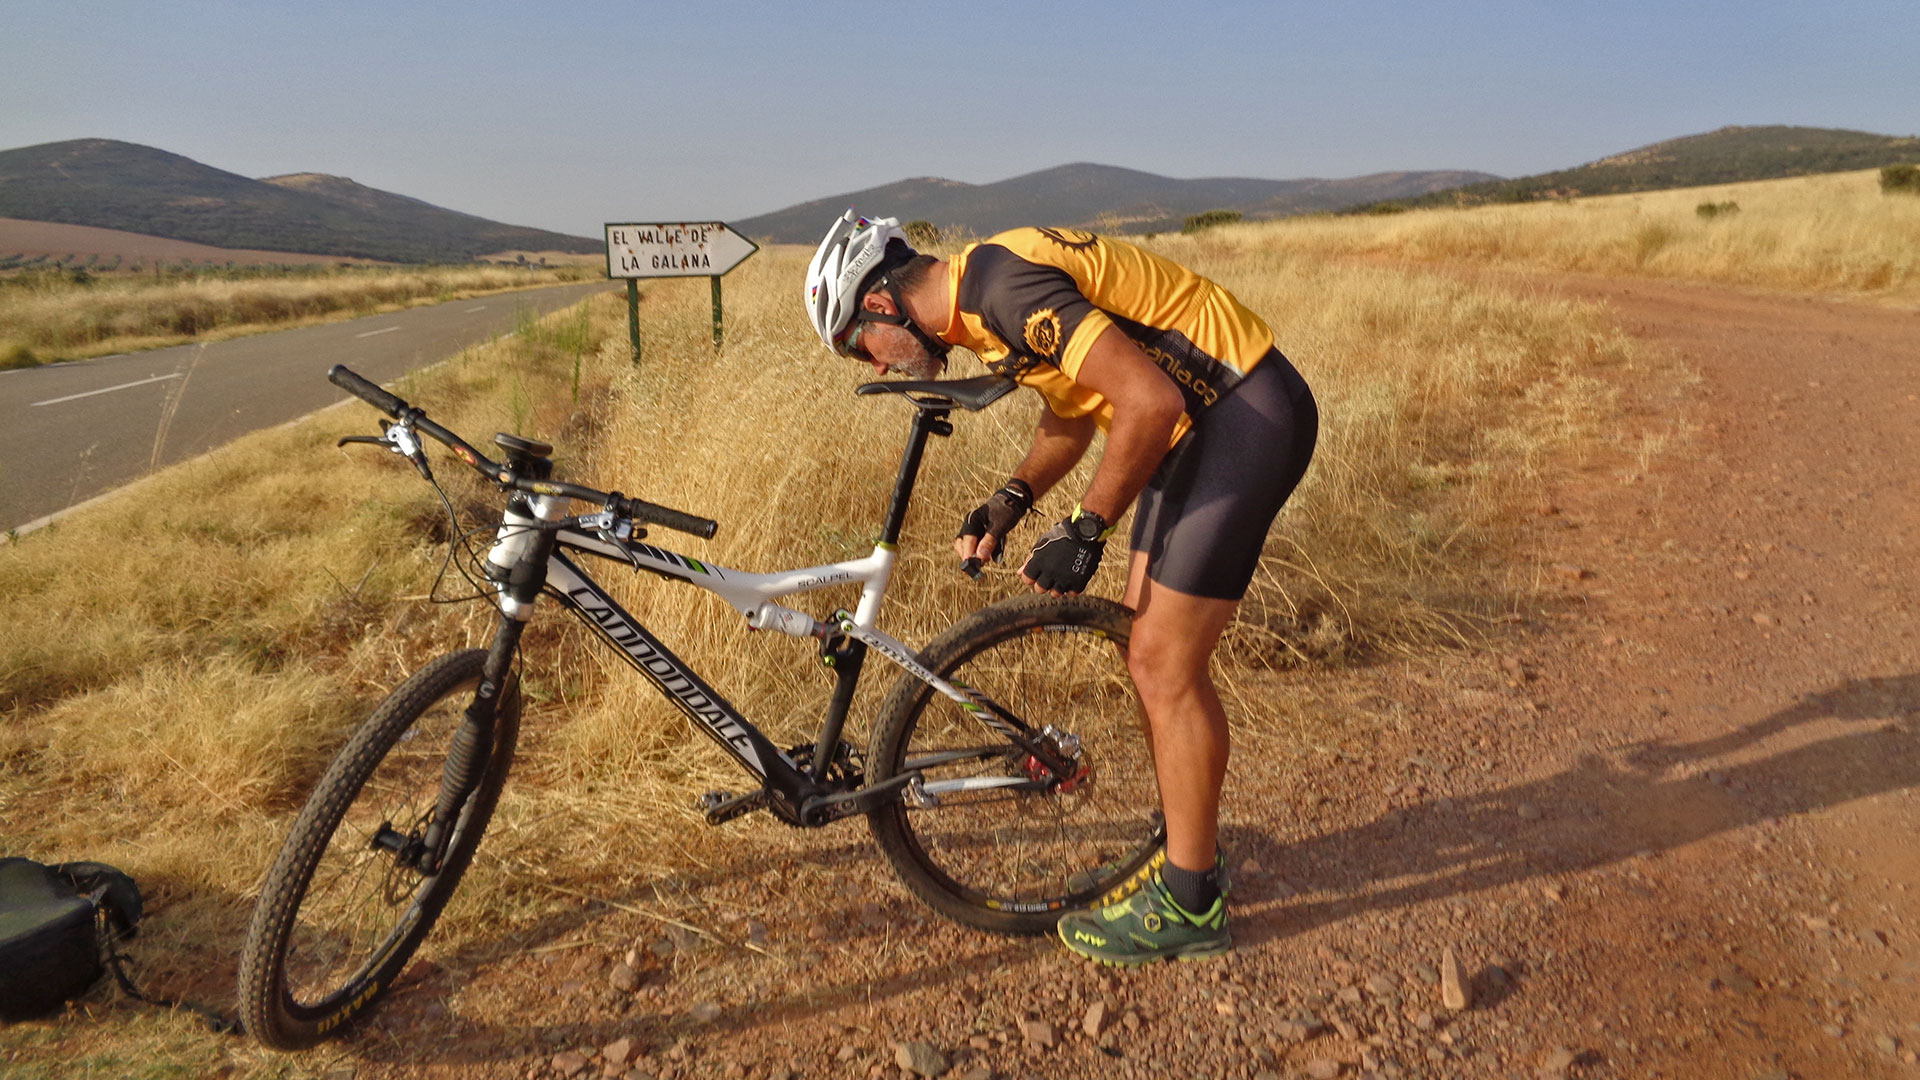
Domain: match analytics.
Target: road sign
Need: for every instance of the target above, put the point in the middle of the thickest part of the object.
(675, 249)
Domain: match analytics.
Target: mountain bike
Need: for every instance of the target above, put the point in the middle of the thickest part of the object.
(1005, 778)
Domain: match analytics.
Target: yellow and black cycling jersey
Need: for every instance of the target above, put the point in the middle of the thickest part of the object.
(1030, 302)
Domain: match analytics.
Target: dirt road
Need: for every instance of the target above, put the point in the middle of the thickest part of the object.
(1665, 826)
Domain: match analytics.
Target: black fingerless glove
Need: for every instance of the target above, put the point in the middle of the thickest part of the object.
(998, 515)
(1067, 555)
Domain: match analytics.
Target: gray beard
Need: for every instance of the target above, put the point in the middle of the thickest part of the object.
(923, 366)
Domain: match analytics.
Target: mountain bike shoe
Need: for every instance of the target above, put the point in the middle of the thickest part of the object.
(1134, 882)
(1145, 927)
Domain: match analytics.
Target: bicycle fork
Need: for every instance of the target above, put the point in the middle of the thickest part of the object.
(472, 746)
(467, 759)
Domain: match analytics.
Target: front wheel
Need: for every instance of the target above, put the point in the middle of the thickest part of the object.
(987, 837)
(345, 906)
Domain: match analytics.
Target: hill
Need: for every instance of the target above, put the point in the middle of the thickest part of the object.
(85, 246)
(1729, 155)
(117, 185)
(1101, 196)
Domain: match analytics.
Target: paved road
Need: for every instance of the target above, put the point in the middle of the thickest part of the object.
(69, 432)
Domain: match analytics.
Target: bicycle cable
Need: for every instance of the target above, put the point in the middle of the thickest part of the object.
(459, 541)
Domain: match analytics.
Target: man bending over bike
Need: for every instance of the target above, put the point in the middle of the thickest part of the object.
(1207, 424)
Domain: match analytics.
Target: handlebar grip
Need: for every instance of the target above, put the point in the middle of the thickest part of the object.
(971, 567)
(346, 379)
(654, 514)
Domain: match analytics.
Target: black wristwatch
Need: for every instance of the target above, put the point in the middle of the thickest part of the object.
(1087, 526)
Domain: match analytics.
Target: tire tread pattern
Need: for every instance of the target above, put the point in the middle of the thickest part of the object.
(266, 1007)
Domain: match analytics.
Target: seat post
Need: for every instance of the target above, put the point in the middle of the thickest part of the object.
(926, 421)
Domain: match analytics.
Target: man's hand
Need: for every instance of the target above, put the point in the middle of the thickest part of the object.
(984, 532)
(1068, 554)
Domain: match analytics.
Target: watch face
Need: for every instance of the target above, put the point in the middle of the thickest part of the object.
(1088, 526)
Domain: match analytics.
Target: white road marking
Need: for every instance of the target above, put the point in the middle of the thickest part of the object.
(481, 307)
(104, 390)
(372, 333)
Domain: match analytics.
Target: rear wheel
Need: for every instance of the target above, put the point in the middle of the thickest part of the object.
(997, 843)
(344, 907)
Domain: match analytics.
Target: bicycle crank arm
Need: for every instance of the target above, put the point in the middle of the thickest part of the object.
(721, 807)
(823, 809)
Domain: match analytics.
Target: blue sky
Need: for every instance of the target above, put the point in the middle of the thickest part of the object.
(567, 115)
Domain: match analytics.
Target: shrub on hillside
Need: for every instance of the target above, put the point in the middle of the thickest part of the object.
(1900, 178)
(1710, 210)
(922, 234)
(1209, 219)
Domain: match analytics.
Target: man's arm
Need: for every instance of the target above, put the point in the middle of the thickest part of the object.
(1058, 445)
(1146, 406)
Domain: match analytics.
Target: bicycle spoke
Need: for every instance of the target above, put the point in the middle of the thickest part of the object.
(1024, 846)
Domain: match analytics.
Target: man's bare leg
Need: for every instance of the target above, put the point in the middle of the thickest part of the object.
(1174, 634)
(1180, 912)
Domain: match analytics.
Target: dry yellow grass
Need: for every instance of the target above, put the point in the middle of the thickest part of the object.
(1836, 233)
(46, 316)
(183, 659)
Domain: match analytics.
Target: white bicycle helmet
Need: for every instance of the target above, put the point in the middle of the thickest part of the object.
(854, 249)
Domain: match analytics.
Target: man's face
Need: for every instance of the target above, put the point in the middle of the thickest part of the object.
(892, 350)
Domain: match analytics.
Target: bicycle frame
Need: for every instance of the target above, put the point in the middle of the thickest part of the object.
(528, 558)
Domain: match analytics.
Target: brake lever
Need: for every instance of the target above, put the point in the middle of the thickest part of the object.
(400, 439)
(608, 526)
(374, 439)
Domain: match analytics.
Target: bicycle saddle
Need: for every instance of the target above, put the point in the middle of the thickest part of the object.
(970, 394)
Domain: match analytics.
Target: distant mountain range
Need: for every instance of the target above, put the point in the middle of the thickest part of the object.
(1102, 197)
(1726, 156)
(119, 185)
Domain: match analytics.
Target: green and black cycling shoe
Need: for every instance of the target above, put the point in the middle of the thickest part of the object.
(1134, 882)
(1147, 926)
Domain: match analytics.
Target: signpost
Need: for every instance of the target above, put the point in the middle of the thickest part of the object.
(673, 249)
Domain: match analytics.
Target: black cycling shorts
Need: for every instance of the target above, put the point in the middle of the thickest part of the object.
(1203, 518)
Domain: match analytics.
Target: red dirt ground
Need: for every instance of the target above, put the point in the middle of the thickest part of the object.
(1666, 826)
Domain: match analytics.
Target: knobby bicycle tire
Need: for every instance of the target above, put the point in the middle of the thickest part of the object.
(297, 922)
(1011, 859)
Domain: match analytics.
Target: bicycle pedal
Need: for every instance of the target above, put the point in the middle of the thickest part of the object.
(721, 807)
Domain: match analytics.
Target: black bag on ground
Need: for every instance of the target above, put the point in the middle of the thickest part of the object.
(55, 924)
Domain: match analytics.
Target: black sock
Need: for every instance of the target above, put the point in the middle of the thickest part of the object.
(1193, 890)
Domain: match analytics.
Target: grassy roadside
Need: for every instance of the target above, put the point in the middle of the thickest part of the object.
(49, 316)
(1835, 234)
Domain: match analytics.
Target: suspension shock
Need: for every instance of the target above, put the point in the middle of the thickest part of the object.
(472, 745)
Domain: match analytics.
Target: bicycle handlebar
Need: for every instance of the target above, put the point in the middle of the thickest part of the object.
(638, 510)
(349, 380)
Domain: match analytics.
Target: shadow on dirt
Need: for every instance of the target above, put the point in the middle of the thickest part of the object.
(1647, 799)
(1653, 797)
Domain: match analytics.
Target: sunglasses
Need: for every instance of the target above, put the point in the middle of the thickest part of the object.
(850, 345)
